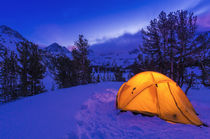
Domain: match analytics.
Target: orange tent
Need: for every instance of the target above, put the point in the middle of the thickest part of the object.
(155, 94)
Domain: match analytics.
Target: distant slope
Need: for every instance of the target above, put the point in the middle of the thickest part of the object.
(121, 50)
(9, 38)
(56, 50)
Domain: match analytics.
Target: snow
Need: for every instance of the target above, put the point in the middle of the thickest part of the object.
(56, 50)
(121, 51)
(98, 118)
(88, 111)
(9, 38)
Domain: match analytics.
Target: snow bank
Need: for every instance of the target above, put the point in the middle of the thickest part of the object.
(88, 111)
(98, 118)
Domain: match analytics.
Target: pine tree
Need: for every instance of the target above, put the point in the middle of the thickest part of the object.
(36, 70)
(170, 44)
(185, 31)
(13, 76)
(31, 69)
(170, 53)
(98, 78)
(118, 74)
(203, 57)
(81, 61)
(9, 76)
(23, 50)
(163, 31)
(152, 45)
(65, 74)
(4, 75)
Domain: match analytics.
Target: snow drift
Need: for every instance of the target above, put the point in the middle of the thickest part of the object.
(88, 111)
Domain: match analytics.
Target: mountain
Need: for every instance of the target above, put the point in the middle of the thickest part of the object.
(55, 49)
(120, 51)
(9, 38)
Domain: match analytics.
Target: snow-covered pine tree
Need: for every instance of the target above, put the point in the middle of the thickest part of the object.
(81, 61)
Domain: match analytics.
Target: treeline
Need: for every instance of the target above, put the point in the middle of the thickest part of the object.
(111, 73)
(21, 75)
(78, 71)
(172, 47)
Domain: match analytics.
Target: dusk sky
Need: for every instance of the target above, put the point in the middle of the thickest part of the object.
(48, 21)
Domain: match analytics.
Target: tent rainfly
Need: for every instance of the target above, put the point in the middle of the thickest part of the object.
(154, 94)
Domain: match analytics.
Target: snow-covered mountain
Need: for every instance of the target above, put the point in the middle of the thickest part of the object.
(9, 38)
(120, 51)
(56, 50)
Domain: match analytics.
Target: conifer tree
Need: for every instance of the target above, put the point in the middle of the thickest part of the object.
(23, 50)
(9, 76)
(152, 45)
(31, 69)
(13, 75)
(36, 70)
(65, 74)
(4, 75)
(169, 42)
(81, 61)
(118, 74)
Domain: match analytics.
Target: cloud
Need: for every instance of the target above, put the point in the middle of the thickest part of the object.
(202, 10)
(122, 44)
(204, 22)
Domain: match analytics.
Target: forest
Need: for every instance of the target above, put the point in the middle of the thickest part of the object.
(170, 45)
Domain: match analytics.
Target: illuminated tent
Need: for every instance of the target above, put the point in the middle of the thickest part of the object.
(154, 94)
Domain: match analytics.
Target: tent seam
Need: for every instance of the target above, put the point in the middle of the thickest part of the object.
(163, 81)
(158, 104)
(178, 106)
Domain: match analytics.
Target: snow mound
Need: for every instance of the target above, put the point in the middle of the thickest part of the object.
(88, 111)
(98, 118)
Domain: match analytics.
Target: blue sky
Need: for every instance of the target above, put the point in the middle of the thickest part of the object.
(48, 21)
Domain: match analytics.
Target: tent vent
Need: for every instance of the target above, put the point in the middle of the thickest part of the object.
(133, 89)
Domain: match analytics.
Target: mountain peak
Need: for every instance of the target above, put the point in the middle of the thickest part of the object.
(55, 44)
(9, 38)
(10, 32)
(57, 49)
